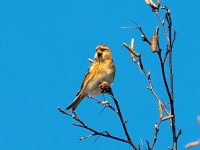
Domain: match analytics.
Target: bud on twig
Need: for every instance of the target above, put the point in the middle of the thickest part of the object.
(160, 109)
(148, 75)
(143, 37)
(163, 22)
(152, 4)
(168, 12)
(131, 49)
(156, 126)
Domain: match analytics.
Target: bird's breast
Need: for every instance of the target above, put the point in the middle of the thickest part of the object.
(103, 73)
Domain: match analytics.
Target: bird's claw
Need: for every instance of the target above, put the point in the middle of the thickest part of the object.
(104, 86)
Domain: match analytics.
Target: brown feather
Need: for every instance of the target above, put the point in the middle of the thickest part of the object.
(75, 103)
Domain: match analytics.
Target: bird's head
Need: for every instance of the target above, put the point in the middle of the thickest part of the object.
(102, 53)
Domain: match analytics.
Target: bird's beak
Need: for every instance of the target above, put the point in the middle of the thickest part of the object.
(99, 53)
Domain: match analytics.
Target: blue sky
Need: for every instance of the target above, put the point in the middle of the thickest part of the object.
(44, 47)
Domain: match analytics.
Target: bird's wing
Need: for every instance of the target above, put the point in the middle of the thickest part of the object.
(88, 75)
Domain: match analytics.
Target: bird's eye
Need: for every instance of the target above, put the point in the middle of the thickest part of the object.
(104, 49)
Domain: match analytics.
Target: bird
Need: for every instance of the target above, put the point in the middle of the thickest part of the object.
(101, 69)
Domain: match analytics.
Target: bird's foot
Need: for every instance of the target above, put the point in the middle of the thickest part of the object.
(104, 86)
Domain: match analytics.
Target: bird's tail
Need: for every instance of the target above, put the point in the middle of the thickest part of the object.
(75, 103)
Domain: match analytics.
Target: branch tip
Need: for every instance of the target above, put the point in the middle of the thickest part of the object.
(152, 4)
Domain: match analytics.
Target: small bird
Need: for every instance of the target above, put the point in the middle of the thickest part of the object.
(101, 69)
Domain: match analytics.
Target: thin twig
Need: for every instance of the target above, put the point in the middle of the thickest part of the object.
(95, 133)
(166, 111)
(148, 76)
(169, 21)
(143, 144)
(155, 135)
(140, 65)
(179, 133)
(149, 147)
(165, 31)
(166, 53)
(170, 99)
(106, 89)
(193, 144)
(105, 103)
(122, 121)
(174, 38)
(144, 38)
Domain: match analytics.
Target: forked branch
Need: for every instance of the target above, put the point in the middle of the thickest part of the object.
(105, 89)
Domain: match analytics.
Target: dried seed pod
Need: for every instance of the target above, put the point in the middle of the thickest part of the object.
(160, 109)
(154, 42)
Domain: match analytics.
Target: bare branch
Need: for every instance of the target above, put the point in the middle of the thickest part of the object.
(95, 132)
(155, 135)
(149, 147)
(105, 103)
(104, 86)
(174, 38)
(85, 137)
(179, 133)
(144, 38)
(131, 49)
(122, 121)
(161, 21)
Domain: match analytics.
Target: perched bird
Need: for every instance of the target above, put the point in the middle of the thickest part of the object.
(101, 69)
